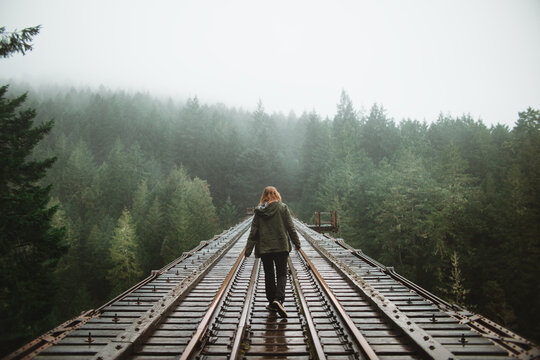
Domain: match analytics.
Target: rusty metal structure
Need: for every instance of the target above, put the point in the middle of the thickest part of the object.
(325, 222)
(210, 304)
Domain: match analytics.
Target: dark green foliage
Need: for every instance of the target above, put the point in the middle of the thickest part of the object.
(29, 245)
(345, 129)
(228, 214)
(379, 136)
(125, 269)
(16, 41)
(191, 215)
(315, 162)
(151, 233)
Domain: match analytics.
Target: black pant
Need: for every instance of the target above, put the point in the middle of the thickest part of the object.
(275, 290)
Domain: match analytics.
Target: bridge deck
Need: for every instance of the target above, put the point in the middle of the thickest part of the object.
(210, 304)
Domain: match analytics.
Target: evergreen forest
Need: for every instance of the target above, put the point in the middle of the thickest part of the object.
(452, 204)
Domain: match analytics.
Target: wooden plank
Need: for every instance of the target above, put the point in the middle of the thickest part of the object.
(393, 349)
(76, 349)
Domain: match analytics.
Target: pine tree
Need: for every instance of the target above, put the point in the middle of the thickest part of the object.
(71, 272)
(379, 135)
(125, 270)
(172, 195)
(97, 248)
(455, 290)
(315, 164)
(77, 176)
(406, 232)
(29, 245)
(191, 216)
(346, 129)
(177, 234)
(148, 219)
(151, 238)
(140, 203)
(119, 177)
(203, 218)
(228, 214)
(16, 41)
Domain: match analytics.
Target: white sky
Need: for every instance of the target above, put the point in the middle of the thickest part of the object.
(416, 58)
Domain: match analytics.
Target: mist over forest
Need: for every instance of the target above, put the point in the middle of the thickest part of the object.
(452, 204)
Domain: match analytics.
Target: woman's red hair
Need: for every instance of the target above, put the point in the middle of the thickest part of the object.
(269, 195)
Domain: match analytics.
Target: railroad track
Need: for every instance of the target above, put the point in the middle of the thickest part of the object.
(341, 304)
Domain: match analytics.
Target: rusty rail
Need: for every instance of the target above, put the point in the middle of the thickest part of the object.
(124, 343)
(50, 338)
(358, 337)
(243, 326)
(203, 326)
(424, 342)
(513, 343)
(55, 335)
(309, 320)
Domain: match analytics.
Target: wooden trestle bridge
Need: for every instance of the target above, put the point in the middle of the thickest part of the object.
(210, 304)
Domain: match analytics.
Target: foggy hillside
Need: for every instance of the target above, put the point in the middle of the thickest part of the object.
(434, 200)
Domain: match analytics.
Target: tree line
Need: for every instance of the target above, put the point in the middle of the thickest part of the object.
(452, 204)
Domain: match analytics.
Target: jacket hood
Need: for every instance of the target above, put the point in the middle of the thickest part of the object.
(267, 209)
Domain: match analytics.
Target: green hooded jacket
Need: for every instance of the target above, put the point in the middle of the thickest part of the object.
(271, 228)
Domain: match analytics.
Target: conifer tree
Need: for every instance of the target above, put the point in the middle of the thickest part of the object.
(148, 219)
(228, 214)
(151, 237)
(77, 176)
(140, 203)
(455, 290)
(191, 215)
(203, 217)
(345, 128)
(379, 135)
(29, 245)
(16, 41)
(314, 161)
(406, 232)
(178, 231)
(173, 195)
(126, 268)
(98, 244)
(69, 272)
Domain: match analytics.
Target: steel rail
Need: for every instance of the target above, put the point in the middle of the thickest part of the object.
(136, 332)
(50, 338)
(389, 270)
(189, 253)
(203, 326)
(58, 333)
(242, 324)
(515, 345)
(155, 273)
(420, 338)
(511, 342)
(315, 339)
(358, 337)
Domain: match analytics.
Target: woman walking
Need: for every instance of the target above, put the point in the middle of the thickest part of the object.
(271, 230)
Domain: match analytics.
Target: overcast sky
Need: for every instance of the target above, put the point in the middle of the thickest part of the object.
(416, 58)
